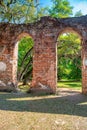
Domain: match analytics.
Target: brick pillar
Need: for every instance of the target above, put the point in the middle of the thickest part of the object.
(7, 81)
(84, 67)
(44, 65)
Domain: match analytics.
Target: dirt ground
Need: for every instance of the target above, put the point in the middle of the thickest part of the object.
(67, 110)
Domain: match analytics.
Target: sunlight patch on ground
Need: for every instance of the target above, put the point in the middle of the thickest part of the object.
(83, 103)
(32, 98)
(70, 85)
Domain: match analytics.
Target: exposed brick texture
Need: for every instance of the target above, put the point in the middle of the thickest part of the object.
(44, 33)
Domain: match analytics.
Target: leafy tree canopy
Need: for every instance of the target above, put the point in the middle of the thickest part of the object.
(20, 11)
(60, 9)
(78, 13)
(69, 56)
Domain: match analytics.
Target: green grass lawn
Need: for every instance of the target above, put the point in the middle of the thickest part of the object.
(77, 85)
(24, 88)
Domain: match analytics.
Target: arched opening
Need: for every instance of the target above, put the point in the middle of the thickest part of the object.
(69, 63)
(24, 61)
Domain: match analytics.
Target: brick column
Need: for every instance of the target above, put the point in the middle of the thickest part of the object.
(44, 64)
(7, 82)
(84, 67)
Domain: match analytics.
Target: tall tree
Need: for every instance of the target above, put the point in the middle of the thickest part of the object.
(20, 11)
(78, 13)
(60, 9)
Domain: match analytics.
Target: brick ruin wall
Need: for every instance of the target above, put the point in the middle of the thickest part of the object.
(44, 33)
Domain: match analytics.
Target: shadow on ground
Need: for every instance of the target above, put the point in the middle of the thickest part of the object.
(71, 104)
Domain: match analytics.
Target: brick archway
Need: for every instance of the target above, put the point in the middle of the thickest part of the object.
(15, 55)
(45, 33)
(67, 32)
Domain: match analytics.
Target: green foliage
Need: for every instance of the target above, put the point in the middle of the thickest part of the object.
(78, 13)
(24, 46)
(25, 58)
(60, 9)
(68, 44)
(75, 72)
(69, 57)
(19, 11)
